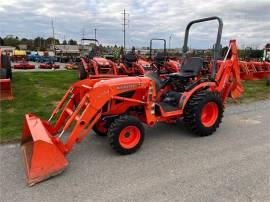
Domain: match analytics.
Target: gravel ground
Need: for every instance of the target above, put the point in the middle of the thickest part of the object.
(173, 165)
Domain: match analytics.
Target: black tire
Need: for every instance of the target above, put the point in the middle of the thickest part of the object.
(268, 81)
(115, 129)
(193, 111)
(7, 65)
(98, 131)
(3, 73)
(82, 73)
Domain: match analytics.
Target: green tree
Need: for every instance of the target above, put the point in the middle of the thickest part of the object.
(72, 42)
(1, 42)
(11, 41)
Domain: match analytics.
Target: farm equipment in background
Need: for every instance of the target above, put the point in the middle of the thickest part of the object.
(256, 70)
(266, 61)
(118, 108)
(133, 65)
(49, 65)
(33, 56)
(5, 77)
(72, 66)
(23, 65)
(92, 64)
(18, 55)
(162, 61)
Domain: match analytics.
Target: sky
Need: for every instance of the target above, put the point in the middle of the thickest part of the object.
(247, 21)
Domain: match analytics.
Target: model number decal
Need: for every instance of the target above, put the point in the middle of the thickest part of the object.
(123, 87)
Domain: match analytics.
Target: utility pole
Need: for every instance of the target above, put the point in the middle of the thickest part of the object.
(95, 36)
(53, 37)
(83, 33)
(125, 24)
(39, 42)
(170, 38)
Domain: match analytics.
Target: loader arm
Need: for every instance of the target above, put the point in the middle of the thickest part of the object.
(42, 143)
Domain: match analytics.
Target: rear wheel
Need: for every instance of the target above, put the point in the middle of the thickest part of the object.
(203, 112)
(126, 134)
(82, 74)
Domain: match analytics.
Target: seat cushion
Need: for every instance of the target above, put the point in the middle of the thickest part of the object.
(191, 66)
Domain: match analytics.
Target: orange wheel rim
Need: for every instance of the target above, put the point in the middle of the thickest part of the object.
(209, 114)
(129, 137)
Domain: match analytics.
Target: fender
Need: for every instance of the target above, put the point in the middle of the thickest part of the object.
(185, 97)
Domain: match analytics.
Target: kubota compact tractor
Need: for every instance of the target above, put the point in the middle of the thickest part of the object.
(133, 65)
(92, 64)
(24, 65)
(5, 77)
(162, 61)
(119, 107)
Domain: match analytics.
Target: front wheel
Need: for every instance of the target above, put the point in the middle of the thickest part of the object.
(204, 112)
(126, 134)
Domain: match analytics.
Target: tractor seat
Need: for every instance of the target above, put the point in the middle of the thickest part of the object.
(191, 67)
(160, 58)
(130, 58)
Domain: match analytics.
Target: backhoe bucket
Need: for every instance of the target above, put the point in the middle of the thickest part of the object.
(42, 158)
(5, 89)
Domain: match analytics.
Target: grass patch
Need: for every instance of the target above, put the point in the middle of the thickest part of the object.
(35, 92)
(254, 91)
(39, 92)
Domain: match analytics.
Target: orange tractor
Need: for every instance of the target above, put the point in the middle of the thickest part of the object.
(5, 77)
(162, 61)
(119, 107)
(256, 70)
(134, 65)
(92, 64)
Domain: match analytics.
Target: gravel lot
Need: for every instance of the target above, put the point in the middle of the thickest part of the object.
(173, 165)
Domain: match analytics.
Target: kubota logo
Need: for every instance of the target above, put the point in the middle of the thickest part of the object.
(128, 86)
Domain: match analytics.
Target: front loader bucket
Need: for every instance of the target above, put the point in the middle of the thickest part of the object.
(5, 89)
(42, 158)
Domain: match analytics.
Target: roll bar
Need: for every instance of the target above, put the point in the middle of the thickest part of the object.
(216, 46)
(156, 39)
(85, 39)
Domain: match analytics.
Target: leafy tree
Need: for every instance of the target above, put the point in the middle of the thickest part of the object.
(11, 41)
(1, 42)
(72, 42)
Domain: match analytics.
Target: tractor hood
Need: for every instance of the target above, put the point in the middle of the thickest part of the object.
(101, 61)
(122, 83)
